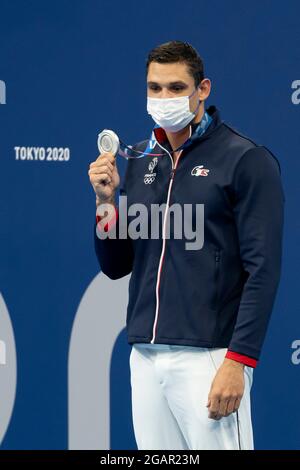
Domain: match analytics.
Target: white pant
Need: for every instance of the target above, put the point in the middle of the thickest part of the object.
(169, 390)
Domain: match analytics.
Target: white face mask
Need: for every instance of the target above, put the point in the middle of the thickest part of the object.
(172, 114)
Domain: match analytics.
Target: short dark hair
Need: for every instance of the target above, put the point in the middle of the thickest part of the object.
(178, 51)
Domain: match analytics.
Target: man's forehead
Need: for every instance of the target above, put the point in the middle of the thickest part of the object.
(168, 72)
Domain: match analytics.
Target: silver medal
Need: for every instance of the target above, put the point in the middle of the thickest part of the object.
(108, 141)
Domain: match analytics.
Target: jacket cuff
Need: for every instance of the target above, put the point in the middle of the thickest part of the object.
(248, 361)
(109, 224)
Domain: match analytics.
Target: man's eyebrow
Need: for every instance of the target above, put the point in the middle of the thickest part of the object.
(178, 82)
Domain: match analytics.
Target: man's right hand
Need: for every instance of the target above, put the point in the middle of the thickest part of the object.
(104, 177)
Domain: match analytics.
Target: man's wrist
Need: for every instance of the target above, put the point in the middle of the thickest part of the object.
(246, 360)
(111, 200)
(107, 215)
(233, 363)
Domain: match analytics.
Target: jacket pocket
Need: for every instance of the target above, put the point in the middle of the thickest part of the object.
(204, 276)
(217, 259)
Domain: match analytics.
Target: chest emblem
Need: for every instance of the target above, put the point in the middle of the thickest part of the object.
(199, 171)
(150, 177)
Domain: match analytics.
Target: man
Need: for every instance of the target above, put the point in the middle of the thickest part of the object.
(196, 318)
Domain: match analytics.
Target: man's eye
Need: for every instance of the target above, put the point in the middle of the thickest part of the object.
(154, 88)
(177, 88)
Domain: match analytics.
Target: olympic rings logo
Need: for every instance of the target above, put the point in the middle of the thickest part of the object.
(149, 178)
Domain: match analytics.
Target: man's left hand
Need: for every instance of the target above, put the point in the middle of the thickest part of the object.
(226, 389)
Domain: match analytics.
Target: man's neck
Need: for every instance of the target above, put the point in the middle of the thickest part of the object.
(178, 138)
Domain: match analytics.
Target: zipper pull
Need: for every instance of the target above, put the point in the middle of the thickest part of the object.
(172, 173)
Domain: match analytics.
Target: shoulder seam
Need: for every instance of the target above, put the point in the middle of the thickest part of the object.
(254, 143)
(249, 150)
(235, 131)
(272, 154)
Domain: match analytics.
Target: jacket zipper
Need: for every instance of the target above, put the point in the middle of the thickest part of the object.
(162, 254)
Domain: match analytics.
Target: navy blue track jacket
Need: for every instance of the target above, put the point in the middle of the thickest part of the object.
(222, 294)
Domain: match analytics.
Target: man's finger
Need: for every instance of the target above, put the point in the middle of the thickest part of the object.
(214, 408)
(230, 406)
(100, 171)
(102, 178)
(215, 416)
(109, 156)
(223, 406)
(100, 163)
(237, 404)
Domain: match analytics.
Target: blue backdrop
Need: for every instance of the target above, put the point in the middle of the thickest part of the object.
(68, 69)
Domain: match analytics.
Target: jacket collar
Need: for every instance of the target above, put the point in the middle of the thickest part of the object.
(161, 136)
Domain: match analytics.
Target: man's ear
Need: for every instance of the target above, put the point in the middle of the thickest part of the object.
(204, 89)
